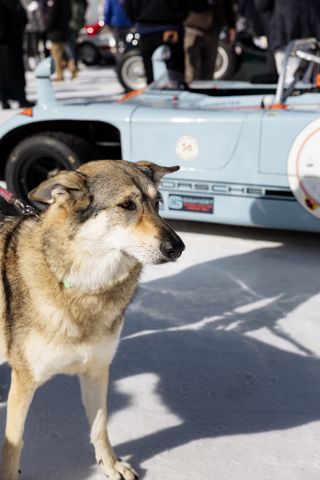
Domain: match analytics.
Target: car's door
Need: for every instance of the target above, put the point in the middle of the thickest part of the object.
(203, 141)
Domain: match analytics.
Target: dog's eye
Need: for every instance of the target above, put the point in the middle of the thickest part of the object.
(129, 205)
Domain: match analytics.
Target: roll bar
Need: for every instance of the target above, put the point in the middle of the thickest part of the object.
(301, 49)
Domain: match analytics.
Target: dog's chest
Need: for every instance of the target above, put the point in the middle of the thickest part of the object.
(49, 358)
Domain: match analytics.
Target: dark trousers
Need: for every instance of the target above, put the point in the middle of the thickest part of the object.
(150, 42)
(200, 54)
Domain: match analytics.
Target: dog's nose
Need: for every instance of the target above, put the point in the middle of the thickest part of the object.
(172, 248)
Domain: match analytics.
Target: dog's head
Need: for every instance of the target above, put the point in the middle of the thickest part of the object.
(112, 205)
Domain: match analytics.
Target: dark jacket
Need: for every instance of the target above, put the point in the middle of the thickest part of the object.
(59, 16)
(13, 19)
(170, 12)
(219, 14)
(78, 14)
(290, 20)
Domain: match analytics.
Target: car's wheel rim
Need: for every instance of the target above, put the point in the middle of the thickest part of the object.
(222, 62)
(132, 73)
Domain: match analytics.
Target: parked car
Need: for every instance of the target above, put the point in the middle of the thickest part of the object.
(96, 43)
(249, 154)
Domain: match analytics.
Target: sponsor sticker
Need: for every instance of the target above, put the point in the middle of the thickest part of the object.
(190, 203)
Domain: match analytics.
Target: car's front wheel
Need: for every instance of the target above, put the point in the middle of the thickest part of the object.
(37, 157)
(130, 71)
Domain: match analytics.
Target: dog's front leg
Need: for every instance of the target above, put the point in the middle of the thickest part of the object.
(94, 387)
(19, 399)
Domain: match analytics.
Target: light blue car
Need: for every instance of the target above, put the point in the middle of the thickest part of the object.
(249, 154)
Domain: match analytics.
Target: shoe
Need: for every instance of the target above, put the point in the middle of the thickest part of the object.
(26, 104)
(74, 74)
(72, 66)
(57, 78)
(5, 105)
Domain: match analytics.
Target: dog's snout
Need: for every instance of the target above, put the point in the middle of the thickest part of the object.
(172, 248)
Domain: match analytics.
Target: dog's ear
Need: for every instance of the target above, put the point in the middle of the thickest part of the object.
(155, 172)
(59, 188)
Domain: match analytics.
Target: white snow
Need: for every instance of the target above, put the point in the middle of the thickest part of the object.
(217, 375)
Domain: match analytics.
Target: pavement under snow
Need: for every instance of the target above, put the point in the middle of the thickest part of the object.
(217, 375)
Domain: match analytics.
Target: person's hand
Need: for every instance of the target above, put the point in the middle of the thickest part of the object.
(232, 35)
(170, 36)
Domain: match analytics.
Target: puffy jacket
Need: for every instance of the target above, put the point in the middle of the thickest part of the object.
(59, 16)
(290, 20)
(115, 14)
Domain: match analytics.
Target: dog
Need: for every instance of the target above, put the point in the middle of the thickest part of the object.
(66, 280)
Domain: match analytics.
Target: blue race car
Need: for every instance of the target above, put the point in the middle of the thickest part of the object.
(249, 154)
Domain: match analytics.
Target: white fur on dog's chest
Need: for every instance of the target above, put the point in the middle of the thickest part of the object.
(49, 358)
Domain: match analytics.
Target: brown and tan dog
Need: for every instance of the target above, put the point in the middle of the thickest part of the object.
(66, 282)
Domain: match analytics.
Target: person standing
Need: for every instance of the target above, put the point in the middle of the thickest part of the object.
(13, 19)
(58, 32)
(34, 31)
(161, 22)
(116, 18)
(202, 30)
(289, 20)
(77, 21)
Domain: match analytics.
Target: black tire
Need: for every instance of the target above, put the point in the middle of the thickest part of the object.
(35, 157)
(227, 62)
(89, 54)
(130, 71)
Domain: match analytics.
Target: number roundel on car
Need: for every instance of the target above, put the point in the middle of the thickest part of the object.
(187, 147)
(304, 168)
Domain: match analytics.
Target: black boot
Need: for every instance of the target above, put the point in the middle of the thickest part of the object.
(5, 105)
(26, 104)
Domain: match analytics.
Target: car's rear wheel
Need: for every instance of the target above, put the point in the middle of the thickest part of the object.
(226, 62)
(130, 71)
(35, 158)
(88, 54)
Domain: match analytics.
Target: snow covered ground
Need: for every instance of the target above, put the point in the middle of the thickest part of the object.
(217, 375)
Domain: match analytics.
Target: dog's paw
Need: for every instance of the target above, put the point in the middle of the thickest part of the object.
(121, 470)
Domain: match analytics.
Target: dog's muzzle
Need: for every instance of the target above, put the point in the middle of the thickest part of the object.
(172, 248)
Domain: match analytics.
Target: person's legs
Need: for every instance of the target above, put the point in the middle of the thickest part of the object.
(176, 61)
(192, 54)
(209, 55)
(57, 54)
(148, 44)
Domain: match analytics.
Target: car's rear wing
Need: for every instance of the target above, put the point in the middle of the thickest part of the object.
(304, 49)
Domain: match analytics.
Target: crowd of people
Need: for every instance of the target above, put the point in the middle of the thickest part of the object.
(52, 22)
(191, 28)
